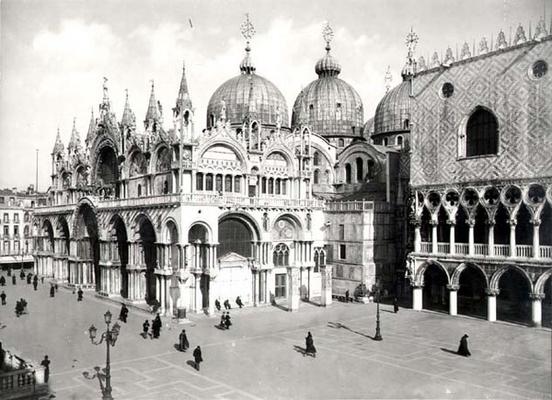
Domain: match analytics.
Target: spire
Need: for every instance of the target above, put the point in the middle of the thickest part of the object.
(388, 79)
(153, 114)
(248, 31)
(183, 99)
(74, 142)
(91, 127)
(106, 105)
(409, 68)
(58, 145)
(128, 119)
(327, 65)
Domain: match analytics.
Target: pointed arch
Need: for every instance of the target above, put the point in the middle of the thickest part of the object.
(495, 278)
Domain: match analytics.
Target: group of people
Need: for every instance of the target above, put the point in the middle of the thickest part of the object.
(20, 307)
(227, 305)
(183, 345)
(156, 325)
(225, 321)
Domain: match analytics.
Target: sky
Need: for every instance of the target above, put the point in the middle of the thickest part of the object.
(55, 53)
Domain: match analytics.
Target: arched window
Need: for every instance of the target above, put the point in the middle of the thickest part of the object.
(139, 190)
(316, 176)
(359, 171)
(406, 124)
(277, 184)
(218, 183)
(263, 185)
(237, 187)
(280, 256)
(316, 265)
(228, 183)
(284, 186)
(209, 182)
(165, 187)
(340, 143)
(481, 134)
(347, 173)
(270, 186)
(199, 181)
(338, 111)
(385, 141)
(311, 112)
(316, 158)
(399, 141)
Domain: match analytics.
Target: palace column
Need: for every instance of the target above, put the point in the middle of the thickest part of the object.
(536, 308)
(453, 299)
(513, 223)
(293, 289)
(326, 285)
(452, 238)
(198, 301)
(417, 297)
(490, 238)
(417, 237)
(434, 225)
(491, 304)
(471, 240)
(536, 242)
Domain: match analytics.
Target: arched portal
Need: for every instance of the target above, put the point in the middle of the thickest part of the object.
(64, 234)
(545, 231)
(471, 293)
(236, 233)
(435, 288)
(172, 238)
(524, 227)
(88, 247)
(147, 241)
(107, 170)
(513, 303)
(198, 237)
(119, 234)
(49, 244)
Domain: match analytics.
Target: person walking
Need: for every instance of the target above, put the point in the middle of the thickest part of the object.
(309, 348)
(183, 341)
(79, 294)
(29, 278)
(197, 357)
(346, 296)
(223, 320)
(463, 348)
(217, 304)
(52, 291)
(14, 280)
(227, 321)
(395, 305)
(3, 297)
(145, 328)
(227, 305)
(22, 274)
(35, 282)
(124, 313)
(2, 281)
(239, 302)
(56, 286)
(156, 326)
(46, 364)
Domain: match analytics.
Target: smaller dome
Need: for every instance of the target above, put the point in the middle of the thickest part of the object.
(368, 129)
(327, 65)
(393, 111)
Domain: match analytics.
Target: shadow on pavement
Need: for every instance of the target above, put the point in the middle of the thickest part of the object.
(191, 363)
(339, 325)
(300, 350)
(219, 327)
(449, 351)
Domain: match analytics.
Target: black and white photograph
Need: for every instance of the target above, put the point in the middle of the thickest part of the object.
(280, 200)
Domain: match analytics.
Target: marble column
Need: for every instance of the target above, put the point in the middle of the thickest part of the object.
(453, 299)
(417, 297)
(513, 238)
(212, 295)
(491, 304)
(536, 309)
(293, 289)
(434, 248)
(536, 243)
(417, 238)
(326, 285)
(471, 240)
(490, 238)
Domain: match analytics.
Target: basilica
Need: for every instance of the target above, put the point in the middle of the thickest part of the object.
(443, 197)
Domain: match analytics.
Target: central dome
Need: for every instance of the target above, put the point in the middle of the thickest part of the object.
(248, 94)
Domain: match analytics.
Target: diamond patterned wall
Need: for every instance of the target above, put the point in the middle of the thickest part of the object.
(502, 83)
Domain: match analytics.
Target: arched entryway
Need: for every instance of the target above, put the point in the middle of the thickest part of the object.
(107, 171)
(198, 238)
(471, 292)
(147, 241)
(513, 302)
(120, 237)
(87, 269)
(435, 288)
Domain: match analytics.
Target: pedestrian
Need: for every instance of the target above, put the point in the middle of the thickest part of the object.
(79, 294)
(14, 280)
(145, 328)
(223, 320)
(124, 313)
(395, 305)
(3, 297)
(2, 281)
(239, 302)
(183, 341)
(35, 282)
(217, 304)
(227, 305)
(197, 357)
(310, 349)
(18, 308)
(463, 348)
(227, 321)
(22, 274)
(46, 364)
(158, 323)
(9, 271)
(23, 304)
(346, 296)
(56, 286)
(52, 291)
(29, 277)
(42, 279)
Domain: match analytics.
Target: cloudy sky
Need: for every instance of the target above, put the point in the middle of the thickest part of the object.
(54, 54)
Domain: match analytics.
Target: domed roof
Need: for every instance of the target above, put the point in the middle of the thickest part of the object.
(393, 111)
(368, 128)
(248, 94)
(329, 105)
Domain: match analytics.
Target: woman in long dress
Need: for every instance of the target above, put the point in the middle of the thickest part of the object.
(463, 348)
(310, 349)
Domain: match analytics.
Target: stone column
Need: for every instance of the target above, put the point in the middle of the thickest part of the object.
(453, 299)
(417, 297)
(513, 223)
(490, 238)
(293, 289)
(198, 301)
(536, 309)
(491, 304)
(309, 283)
(326, 285)
(212, 295)
(163, 299)
(417, 237)
(452, 238)
(471, 240)
(434, 225)
(536, 243)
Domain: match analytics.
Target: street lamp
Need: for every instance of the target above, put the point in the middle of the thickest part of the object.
(378, 333)
(110, 337)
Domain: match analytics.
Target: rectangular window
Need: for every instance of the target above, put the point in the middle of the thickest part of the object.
(6, 230)
(199, 181)
(16, 246)
(209, 182)
(218, 183)
(280, 286)
(16, 230)
(237, 188)
(1, 200)
(6, 218)
(16, 218)
(341, 232)
(342, 251)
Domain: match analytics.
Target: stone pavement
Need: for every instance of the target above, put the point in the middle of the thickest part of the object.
(262, 355)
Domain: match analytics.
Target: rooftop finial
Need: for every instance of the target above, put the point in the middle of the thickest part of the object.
(247, 30)
(105, 96)
(327, 34)
(409, 68)
(388, 79)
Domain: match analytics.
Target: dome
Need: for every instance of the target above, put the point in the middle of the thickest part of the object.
(329, 105)
(393, 111)
(248, 93)
(368, 128)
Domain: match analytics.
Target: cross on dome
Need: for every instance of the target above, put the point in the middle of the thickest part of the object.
(327, 34)
(247, 29)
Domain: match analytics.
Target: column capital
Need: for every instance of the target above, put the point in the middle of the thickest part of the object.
(451, 222)
(492, 292)
(537, 296)
(453, 288)
(536, 222)
(417, 285)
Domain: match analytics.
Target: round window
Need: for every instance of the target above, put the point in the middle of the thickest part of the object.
(447, 90)
(539, 69)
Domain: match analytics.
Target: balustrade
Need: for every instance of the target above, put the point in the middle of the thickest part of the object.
(523, 250)
(545, 251)
(481, 249)
(502, 250)
(443, 248)
(425, 247)
(461, 248)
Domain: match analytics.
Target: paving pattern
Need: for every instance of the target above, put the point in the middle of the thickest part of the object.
(261, 357)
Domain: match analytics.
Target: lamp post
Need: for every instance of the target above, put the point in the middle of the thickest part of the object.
(110, 337)
(378, 333)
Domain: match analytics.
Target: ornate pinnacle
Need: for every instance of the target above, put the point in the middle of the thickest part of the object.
(411, 42)
(388, 79)
(327, 34)
(247, 29)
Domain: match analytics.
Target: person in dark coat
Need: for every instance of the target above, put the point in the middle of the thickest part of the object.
(29, 278)
(310, 349)
(156, 326)
(463, 348)
(217, 304)
(22, 274)
(35, 282)
(46, 364)
(395, 305)
(124, 313)
(2, 281)
(183, 341)
(227, 305)
(14, 280)
(227, 321)
(346, 296)
(145, 328)
(9, 271)
(239, 302)
(79, 294)
(3, 297)
(52, 291)
(18, 308)
(197, 357)
(56, 286)
(223, 320)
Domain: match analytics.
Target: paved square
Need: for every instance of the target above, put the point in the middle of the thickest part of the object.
(260, 357)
